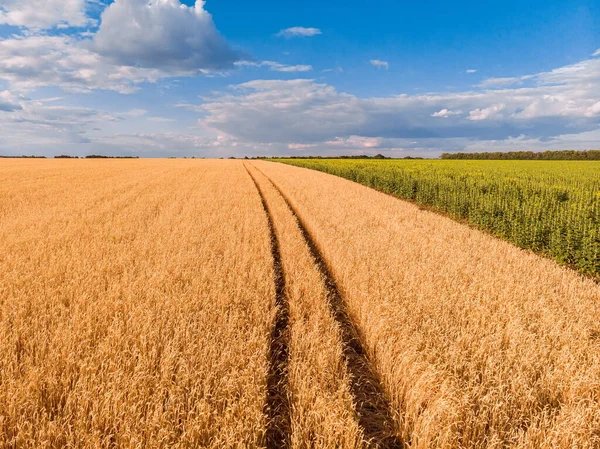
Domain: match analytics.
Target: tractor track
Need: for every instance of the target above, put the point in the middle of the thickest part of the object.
(373, 410)
(277, 407)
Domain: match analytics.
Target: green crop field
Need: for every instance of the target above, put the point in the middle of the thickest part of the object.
(551, 207)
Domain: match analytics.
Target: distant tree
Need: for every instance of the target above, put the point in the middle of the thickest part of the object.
(22, 157)
(565, 155)
(99, 156)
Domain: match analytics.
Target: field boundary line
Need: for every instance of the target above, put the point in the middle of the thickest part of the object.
(373, 409)
(461, 220)
(277, 406)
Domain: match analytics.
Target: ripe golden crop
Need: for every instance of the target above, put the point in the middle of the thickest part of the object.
(550, 207)
(135, 305)
(477, 343)
(231, 304)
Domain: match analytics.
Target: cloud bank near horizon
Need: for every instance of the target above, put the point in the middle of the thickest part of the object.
(61, 46)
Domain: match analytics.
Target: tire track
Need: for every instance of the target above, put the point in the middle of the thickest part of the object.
(373, 410)
(277, 407)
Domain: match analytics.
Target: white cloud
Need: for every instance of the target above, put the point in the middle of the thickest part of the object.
(40, 129)
(276, 66)
(551, 109)
(181, 144)
(445, 113)
(299, 32)
(161, 119)
(486, 113)
(44, 13)
(36, 128)
(301, 146)
(594, 110)
(500, 82)
(29, 62)
(379, 64)
(584, 74)
(573, 141)
(164, 35)
(34, 124)
(562, 101)
(9, 102)
(355, 142)
(597, 53)
(189, 107)
(50, 100)
(470, 71)
(293, 111)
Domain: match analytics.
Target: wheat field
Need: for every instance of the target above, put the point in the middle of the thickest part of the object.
(549, 207)
(135, 305)
(251, 304)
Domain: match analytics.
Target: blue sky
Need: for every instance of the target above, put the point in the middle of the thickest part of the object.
(223, 78)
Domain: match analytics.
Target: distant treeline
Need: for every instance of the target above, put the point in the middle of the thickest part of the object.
(362, 156)
(22, 157)
(566, 155)
(95, 156)
(98, 156)
(65, 156)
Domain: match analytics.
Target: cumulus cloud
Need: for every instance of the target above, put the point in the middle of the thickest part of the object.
(164, 35)
(30, 62)
(42, 14)
(164, 144)
(283, 111)
(8, 102)
(276, 66)
(190, 107)
(299, 32)
(300, 146)
(36, 125)
(169, 39)
(597, 53)
(355, 142)
(379, 64)
(575, 141)
(486, 113)
(137, 41)
(562, 101)
(48, 130)
(594, 110)
(445, 113)
(554, 109)
(161, 119)
(500, 82)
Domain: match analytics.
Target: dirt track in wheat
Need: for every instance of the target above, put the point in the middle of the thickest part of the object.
(249, 304)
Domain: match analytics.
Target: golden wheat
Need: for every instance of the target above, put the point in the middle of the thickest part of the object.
(478, 343)
(136, 300)
(322, 413)
(139, 304)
